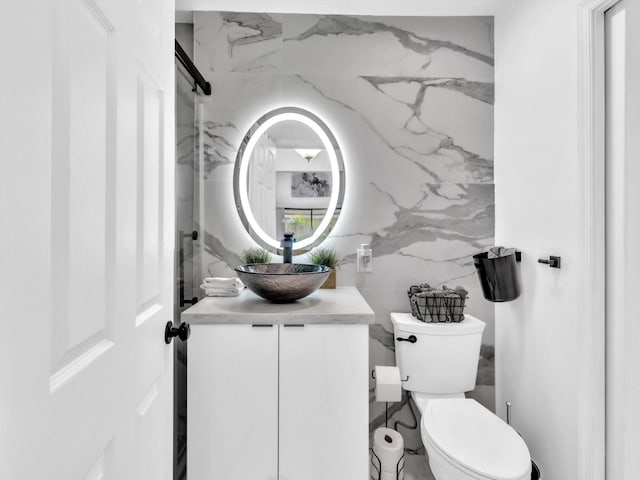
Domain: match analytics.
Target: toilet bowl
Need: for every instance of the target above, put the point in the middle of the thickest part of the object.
(463, 439)
(466, 441)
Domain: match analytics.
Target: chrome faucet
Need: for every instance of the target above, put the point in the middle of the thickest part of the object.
(287, 247)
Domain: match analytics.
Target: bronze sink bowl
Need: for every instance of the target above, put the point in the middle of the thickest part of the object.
(282, 282)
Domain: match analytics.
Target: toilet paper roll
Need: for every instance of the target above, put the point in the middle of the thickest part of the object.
(388, 446)
(388, 384)
(390, 476)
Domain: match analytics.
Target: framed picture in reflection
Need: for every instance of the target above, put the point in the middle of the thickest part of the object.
(310, 184)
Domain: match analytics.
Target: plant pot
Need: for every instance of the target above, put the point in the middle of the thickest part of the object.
(330, 282)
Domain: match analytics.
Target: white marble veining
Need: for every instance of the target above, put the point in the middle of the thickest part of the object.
(343, 305)
(410, 101)
(237, 102)
(432, 132)
(389, 46)
(251, 42)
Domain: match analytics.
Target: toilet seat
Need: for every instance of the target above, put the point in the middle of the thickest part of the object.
(475, 440)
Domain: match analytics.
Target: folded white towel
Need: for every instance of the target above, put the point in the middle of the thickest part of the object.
(216, 289)
(223, 282)
(212, 291)
(216, 292)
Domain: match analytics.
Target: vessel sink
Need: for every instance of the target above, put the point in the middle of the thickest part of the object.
(282, 282)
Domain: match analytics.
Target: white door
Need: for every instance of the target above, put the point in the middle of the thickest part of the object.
(262, 185)
(623, 239)
(86, 202)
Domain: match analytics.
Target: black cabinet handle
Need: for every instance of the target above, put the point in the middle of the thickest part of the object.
(411, 339)
(182, 332)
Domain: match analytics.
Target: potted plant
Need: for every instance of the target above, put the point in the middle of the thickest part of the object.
(255, 255)
(329, 258)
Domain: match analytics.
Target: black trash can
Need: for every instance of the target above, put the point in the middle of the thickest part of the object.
(498, 276)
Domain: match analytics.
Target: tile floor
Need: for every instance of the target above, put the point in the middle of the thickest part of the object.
(416, 467)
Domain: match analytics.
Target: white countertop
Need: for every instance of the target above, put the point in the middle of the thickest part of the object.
(343, 305)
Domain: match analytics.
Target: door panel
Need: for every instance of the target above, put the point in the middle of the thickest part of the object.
(151, 432)
(324, 400)
(89, 247)
(150, 112)
(82, 186)
(232, 397)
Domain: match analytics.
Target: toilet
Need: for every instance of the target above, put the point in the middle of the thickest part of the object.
(438, 362)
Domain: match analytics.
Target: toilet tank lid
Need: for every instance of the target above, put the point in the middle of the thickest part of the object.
(472, 436)
(405, 322)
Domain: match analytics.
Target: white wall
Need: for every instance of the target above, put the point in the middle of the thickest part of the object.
(537, 174)
(288, 160)
(184, 35)
(351, 7)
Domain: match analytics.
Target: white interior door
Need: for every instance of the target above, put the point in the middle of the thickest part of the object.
(623, 239)
(262, 185)
(86, 204)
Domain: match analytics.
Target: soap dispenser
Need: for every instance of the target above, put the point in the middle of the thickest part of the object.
(287, 248)
(364, 258)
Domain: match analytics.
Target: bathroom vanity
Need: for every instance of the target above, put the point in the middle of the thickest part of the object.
(279, 391)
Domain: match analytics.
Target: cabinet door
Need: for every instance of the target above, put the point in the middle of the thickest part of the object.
(324, 402)
(232, 398)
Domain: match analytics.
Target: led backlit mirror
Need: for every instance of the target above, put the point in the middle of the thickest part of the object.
(289, 177)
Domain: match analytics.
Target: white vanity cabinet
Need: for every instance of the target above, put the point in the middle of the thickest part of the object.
(278, 402)
(286, 400)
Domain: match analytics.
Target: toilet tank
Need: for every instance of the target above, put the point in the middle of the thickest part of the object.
(443, 360)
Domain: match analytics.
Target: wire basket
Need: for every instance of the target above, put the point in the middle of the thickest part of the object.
(432, 305)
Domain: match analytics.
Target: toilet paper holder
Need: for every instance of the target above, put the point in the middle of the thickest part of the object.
(377, 474)
(387, 396)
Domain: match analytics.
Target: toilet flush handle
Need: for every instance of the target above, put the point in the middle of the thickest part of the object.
(411, 339)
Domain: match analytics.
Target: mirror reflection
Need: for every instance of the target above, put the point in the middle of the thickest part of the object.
(290, 182)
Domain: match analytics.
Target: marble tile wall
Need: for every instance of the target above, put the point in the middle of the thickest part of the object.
(410, 101)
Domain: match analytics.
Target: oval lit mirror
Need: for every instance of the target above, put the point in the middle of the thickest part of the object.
(289, 177)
